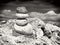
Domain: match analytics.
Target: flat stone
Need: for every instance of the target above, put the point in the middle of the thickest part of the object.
(19, 15)
(21, 22)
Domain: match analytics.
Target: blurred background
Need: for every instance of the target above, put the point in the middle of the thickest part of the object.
(41, 6)
(32, 5)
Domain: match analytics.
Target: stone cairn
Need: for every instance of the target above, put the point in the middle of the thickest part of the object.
(22, 26)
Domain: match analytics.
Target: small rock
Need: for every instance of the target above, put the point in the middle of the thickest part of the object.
(21, 10)
(51, 12)
(50, 27)
(36, 22)
(39, 33)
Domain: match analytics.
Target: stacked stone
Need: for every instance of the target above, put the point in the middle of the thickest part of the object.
(22, 26)
(21, 16)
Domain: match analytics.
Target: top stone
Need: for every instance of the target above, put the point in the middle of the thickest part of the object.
(21, 10)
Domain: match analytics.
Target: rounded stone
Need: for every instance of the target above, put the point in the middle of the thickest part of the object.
(21, 22)
(28, 29)
(51, 12)
(19, 15)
